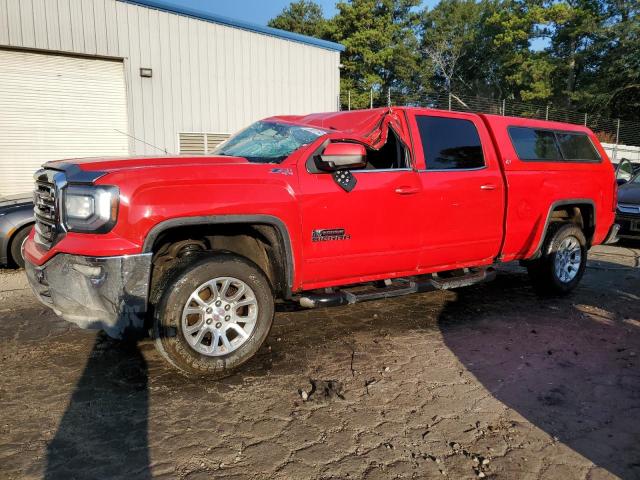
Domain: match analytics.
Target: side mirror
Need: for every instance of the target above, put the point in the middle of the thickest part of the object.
(621, 181)
(338, 156)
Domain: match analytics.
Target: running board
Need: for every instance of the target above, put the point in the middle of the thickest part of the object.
(397, 288)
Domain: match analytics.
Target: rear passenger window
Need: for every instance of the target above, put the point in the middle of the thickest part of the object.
(450, 143)
(533, 144)
(553, 146)
(576, 147)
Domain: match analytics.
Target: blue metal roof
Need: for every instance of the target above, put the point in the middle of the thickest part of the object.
(172, 7)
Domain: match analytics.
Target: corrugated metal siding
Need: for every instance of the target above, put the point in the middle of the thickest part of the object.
(207, 77)
(55, 106)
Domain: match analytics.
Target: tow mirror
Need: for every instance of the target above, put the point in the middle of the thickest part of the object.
(342, 156)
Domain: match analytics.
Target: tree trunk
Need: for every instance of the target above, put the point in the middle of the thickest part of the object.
(571, 77)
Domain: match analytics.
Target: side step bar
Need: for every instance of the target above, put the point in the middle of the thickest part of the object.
(397, 288)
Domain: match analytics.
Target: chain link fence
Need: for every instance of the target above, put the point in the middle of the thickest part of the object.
(608, 130)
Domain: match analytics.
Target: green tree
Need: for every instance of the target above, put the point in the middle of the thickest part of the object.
(609, 82)
(450, 35)
(381, 48)
(304, 17)
(483, 48)
(577, 28)
(518, 72)
(618, 83)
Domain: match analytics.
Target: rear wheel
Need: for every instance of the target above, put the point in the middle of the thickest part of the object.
(213, 315)
(16, 245)
(564, 259)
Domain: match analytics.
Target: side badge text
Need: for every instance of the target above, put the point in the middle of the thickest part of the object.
(329, 235)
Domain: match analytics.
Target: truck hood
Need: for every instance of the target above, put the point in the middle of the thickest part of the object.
(108, 165)
(629, 193)
(19, 199)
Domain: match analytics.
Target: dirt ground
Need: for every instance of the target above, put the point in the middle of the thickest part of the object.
(488, 381)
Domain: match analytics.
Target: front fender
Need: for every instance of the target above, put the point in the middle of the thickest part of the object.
(279, 225)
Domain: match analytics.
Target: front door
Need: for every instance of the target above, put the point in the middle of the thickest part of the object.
(371, 231)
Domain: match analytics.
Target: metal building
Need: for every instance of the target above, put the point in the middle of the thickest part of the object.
(118, 77)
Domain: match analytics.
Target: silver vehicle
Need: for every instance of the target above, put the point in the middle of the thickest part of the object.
(16, 221)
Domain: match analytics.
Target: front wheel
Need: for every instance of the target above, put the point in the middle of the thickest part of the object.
(213, 315)
(563, 261)
(16, 245)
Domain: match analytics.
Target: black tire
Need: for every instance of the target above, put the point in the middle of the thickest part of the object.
(16, 246)
(542, 271)
(170, 297)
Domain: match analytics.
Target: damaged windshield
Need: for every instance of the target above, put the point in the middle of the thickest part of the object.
(268, 142)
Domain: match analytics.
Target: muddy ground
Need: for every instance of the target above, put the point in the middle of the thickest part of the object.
(484, 382)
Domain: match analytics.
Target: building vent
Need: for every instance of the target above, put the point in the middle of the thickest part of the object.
(200, 143)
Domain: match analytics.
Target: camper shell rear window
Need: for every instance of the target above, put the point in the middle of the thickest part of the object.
(543, 145)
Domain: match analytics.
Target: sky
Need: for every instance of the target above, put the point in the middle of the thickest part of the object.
(257, 11)
(261, 11)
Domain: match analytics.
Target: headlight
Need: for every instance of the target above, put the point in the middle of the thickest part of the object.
(90, 208)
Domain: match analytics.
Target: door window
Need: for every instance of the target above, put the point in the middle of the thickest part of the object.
(393, 155)
(450, 143)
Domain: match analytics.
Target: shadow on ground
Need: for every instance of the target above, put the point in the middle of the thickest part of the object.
(567, 365)
(103, 432)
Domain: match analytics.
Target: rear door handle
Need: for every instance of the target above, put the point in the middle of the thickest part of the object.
(488, 186)
(406, 190)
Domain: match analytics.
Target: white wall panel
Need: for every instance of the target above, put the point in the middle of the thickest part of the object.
(51, 15)
(77, 26)
(14, 22)
(111, 27)
(4, 24)
(88, 27)
(207, 77)
(100, 22)
(64, 24)
(27, 23)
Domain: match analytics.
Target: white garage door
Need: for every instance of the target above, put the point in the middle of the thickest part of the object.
(54, 107)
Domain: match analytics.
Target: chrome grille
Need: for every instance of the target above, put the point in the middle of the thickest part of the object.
(45, 207)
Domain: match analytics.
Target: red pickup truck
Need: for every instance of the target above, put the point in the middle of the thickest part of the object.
(324, 209)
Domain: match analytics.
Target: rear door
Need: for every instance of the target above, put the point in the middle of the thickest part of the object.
(462, 204)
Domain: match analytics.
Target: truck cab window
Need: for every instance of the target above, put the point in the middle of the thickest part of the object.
(551, 145)
(533, 144)
(450, 143)
(392, 155)
(577, 147)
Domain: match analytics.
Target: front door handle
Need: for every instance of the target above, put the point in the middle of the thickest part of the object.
(488, 186)
(406, 190)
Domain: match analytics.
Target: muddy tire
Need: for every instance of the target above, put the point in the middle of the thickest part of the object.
(16, 246)
(211, 314)
(563, 261)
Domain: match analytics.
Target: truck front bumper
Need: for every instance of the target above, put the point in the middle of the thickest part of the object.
(108, 293)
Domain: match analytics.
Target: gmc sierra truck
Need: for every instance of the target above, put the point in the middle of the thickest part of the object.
(325, 209)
